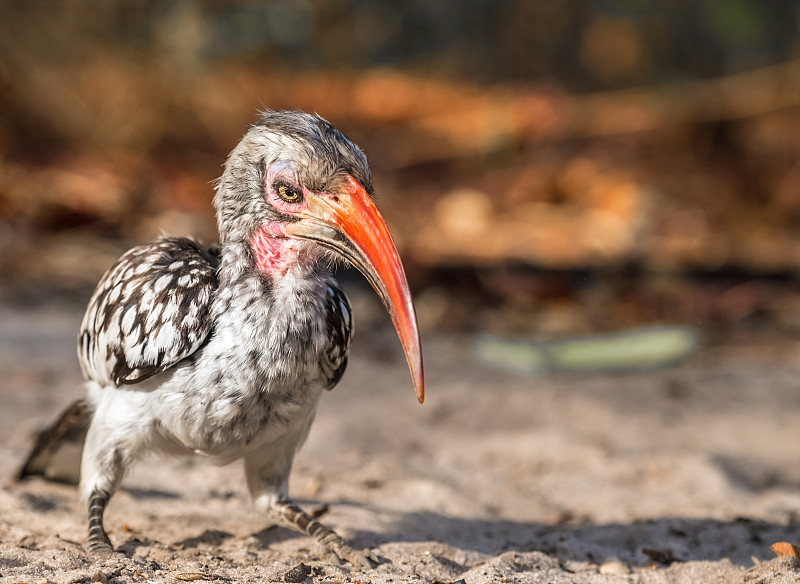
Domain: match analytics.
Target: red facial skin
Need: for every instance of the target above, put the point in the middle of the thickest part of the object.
(275, 252)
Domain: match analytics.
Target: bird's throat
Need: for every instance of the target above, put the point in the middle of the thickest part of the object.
(275, 253)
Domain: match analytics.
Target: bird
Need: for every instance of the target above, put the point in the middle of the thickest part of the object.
(226, 350)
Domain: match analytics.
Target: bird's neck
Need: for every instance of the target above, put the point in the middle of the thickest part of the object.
(265, 262)
(273, 322)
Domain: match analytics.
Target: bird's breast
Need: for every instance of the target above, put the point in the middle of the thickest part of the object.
(256, 381)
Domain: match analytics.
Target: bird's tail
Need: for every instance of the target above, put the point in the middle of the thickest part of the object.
(56, 455)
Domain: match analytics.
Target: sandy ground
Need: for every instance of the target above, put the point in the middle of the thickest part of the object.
(686, 475)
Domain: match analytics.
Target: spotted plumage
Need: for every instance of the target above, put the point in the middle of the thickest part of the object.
(188, 350)
(148, 312)
(339, 325)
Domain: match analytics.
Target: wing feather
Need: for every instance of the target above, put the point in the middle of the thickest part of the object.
(149, 311)
(339, 325)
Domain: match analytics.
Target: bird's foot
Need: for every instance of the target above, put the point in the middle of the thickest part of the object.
(100, 548)
(332, 541)
(361, 558)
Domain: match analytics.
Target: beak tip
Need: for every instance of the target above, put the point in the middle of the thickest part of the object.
(417, 374)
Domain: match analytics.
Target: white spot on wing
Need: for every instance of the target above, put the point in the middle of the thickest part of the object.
(170, 309)
(128, 319)
(147, 300)
(166, 339)
(153, 318)
(163, 282)
(113, 295)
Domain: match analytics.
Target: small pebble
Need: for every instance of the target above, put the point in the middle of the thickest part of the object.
(297, 574)
(614, 568)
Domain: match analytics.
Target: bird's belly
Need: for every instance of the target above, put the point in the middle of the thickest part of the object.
(229, 425)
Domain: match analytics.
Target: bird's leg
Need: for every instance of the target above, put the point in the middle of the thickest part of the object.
(268, 481)
(103, 464)
(99, 545)
(333, 542)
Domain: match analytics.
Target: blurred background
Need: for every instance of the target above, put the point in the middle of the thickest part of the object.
(548, 168)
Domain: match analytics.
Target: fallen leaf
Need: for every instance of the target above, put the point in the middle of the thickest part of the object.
(783, 548)
(192, 576)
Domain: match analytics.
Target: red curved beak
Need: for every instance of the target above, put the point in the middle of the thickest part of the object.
(350, 224)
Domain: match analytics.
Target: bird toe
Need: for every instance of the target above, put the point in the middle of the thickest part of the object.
(358, 558)
(103, 550)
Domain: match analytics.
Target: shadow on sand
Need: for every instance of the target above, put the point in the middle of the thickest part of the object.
(661, 541)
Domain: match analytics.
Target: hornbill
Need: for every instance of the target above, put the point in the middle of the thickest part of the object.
(225, 351)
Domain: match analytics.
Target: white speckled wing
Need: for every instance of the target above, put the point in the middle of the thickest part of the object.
(339, 326)
(149, 311)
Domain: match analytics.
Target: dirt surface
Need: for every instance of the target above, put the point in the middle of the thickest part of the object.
(686, 475)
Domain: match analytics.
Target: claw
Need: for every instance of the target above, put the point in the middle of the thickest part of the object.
(365, 559)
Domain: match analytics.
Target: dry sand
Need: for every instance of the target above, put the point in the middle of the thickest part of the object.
(686, 475)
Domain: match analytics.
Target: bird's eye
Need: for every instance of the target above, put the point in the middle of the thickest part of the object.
(287, 192)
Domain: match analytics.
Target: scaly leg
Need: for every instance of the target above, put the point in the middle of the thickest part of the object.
(105, 458)
(268, 481)
(99, 545)
(334, 543)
